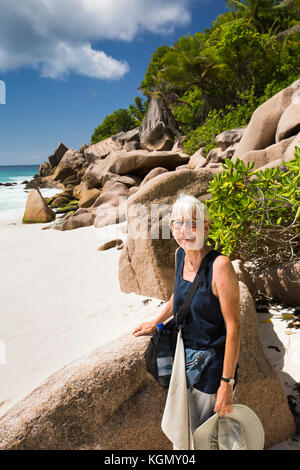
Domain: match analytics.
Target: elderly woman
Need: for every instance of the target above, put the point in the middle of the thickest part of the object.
(213, 320)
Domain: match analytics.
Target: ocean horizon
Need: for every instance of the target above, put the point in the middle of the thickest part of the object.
(13, 198)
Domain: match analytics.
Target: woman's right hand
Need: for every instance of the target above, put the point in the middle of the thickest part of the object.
(144, 328)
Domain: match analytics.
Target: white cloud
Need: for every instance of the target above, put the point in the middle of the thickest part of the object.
(54, 36)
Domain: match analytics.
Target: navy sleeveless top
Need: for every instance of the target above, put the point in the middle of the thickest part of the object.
(204, 325)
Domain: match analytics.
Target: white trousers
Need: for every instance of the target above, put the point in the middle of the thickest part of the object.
(201, 407)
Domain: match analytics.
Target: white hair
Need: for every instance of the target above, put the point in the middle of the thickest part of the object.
(186, 203)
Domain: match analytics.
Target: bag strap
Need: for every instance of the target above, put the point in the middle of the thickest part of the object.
(184, 308)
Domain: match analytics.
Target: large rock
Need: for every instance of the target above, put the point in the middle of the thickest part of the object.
(281, 282)
(72, 159)
(81, 218)
(150, 256)
(137, 162)
(229, 138)
(112, 195)
(273, 164)
(69, 165)
(261, 130)
(178, 144)
(45, 169)
(182, 167)
(61, 173)
(259, 387)
(80, 189)
(158, 128)
(262, 157)
(286, 154)
(290, 151)
(57, 155)
(216, 167)
(110, 207)
(36, 209)
(128, 180)
(155, 172)
(244, 276)
(227, 143)
(289, 123)
(104, 400)
(101, 208)
(129, 137)
(101, 149)
(197, 160)
(60, 199)
(89, 197)
(107, 401)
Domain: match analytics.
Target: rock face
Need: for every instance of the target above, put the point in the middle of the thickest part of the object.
(57, 155)
(118, 243)
(146, 265)
(104, 400)
(101, 149)
(244, 276)
(44, 169)
(289, 123)
(137, 162)
(128, 140)
(72, 159)
(36, 209)
(261, 130)
(259, 387)
(107, 400)
(110, 207)
(227, 143)
(155, 172)
(268, 155)
(290, 151)
(145, 152)
(89, 197)
(197, 160)
(158, 128)
(280, 282)
(81, 218)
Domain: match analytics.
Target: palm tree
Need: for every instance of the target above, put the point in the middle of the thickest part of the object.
(267, 14)
(190, 63)
(291, 8)
(251, 10)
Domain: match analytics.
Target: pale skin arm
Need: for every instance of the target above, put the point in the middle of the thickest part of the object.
(149, 326)
(227, 286)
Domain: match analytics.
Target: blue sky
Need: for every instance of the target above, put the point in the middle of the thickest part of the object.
(67, 64)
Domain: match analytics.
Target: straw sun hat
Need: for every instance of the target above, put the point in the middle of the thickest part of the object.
(240, 430)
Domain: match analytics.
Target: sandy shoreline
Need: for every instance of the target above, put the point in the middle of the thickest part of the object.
(60, 299)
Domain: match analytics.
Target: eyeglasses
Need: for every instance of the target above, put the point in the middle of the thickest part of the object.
(177, 224)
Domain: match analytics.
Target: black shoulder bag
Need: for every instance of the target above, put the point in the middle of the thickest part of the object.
(161, 348)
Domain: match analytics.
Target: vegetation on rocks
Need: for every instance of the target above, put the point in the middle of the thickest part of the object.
(258, 214)
(122, 120)
(69, 207)
(214, 80)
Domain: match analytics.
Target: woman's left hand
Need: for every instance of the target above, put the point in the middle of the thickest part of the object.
(224, 401)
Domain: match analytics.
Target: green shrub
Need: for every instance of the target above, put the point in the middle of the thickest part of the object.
(256, 216)
(119, 121)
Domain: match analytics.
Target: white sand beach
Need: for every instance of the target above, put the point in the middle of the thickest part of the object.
(60, 299)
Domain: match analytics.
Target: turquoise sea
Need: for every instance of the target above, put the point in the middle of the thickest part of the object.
(13, 198)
